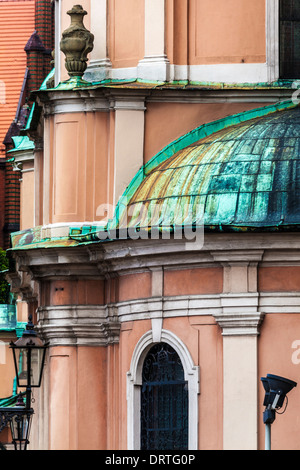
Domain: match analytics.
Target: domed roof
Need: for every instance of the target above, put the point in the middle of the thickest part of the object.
(246, 176)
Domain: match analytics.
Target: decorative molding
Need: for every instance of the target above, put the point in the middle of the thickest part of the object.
(80, 325)
(21, 157)
(156, 324)
(98, 70)
(103, 99)
(279, 302)
(75, 102)
(76, 43)
(240, 324)
(155, 68)
(159, 69)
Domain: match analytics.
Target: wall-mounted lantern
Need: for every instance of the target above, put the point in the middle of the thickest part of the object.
(29, 354)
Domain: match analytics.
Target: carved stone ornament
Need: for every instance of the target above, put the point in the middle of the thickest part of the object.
(76, 43)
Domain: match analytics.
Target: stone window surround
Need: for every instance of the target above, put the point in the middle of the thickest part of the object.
(134, 382)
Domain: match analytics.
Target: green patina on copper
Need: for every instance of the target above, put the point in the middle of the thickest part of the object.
(239, 174)
(137, 83)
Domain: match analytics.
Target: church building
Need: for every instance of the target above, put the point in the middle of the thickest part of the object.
(158, 251)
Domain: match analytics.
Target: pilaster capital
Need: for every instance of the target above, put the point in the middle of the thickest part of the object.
(240, 324)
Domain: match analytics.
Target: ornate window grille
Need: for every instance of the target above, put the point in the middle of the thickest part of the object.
(164, 401)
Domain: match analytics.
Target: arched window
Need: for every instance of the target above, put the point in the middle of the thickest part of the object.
(189, 375)
(164, 401)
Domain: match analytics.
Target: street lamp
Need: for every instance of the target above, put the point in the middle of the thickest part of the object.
(29, 353)
(29, 358)
(19, 419)
(276, 389)
(20, 424)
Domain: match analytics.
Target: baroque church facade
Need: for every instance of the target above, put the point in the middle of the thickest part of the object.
(159, 246)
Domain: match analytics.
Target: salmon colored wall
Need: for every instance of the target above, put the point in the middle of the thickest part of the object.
(193, 281)
(166, 122)
(210, 21)
(77, 406)
(177, 31)
(5, 436)
(283, 279)
(73, 292)
(7, 369)
(278, 348)
(176, 282)
(92, 398)
(78, 163)
(126, 32)
(134, 286)
(38, 187)
(27, 199)
(114, 407)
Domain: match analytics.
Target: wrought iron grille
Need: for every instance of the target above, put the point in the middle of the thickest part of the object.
(289, 30)
(164, 401)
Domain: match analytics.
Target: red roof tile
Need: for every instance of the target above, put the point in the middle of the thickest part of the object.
(17, 23)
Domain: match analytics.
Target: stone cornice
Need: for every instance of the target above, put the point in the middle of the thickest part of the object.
(239, 310)
(236, 314)
(100, 258)
(91, 100)
(104, 98)
(78, 325)
(21, 158)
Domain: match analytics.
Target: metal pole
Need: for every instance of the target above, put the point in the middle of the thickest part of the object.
(268, 436)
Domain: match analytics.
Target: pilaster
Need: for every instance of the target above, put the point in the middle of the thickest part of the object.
(100, 65)
(129, 140)
(155, 65)
(239, 320)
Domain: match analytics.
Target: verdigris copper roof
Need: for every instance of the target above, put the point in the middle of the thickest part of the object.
(245, 176)
(239, 173)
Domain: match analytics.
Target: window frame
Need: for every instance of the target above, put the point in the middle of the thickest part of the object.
(134, 383)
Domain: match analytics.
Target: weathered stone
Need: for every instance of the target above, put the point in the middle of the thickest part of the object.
(77, 42)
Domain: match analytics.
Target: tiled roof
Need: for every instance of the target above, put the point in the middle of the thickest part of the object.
(17, 24)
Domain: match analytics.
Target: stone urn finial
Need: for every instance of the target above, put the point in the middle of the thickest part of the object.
(76, 43)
